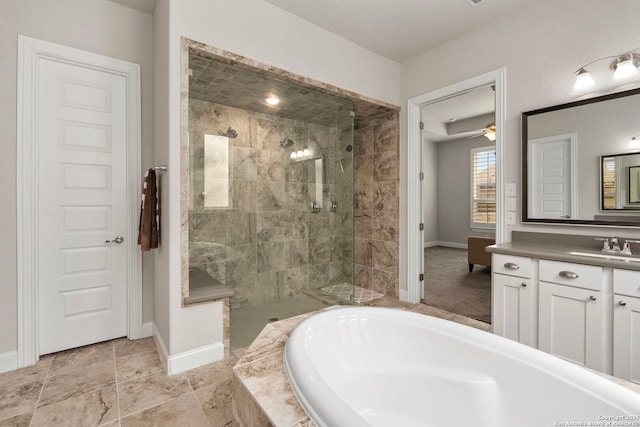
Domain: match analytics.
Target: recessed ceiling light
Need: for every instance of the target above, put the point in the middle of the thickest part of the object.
(272, 100)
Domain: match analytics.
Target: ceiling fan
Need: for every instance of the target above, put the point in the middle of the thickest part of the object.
(489, 131)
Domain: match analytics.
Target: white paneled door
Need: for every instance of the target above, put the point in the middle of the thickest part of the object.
(552, 177)
(82, 169)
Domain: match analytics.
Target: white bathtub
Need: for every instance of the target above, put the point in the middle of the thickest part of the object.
(366, 366)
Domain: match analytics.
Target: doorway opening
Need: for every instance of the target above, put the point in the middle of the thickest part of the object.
(479, 209)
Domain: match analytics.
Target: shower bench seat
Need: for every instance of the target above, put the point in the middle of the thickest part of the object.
(203, 288)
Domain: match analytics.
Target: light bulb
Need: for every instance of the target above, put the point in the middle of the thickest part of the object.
(272, 100)
(299, 153)
(625, 69)
(583, 80)
(306, 152)
(293, 155)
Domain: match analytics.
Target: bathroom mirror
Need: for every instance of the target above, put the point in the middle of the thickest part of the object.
(566, 169)
(620, 182)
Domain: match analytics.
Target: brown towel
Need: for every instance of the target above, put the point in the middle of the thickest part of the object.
(148, 226)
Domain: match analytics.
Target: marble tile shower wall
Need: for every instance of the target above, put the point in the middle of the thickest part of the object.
(268, 245)
(377, 205)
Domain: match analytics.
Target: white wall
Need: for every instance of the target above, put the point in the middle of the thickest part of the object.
(261, 32)
(454, 190)
(96, 26)
(541, 46)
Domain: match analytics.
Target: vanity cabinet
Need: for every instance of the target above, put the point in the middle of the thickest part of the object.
(572, 313)
(515, 298)
(626, 324)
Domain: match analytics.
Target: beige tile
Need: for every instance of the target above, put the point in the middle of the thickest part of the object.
(270, 341)
(138, 365)
(183, 411)
(245, 407)
(30, 374)
(77, 382)
(125, 347)
(144, 392)
(215, 401)
(23, 420)
(18, 400)
(70, 360)
(266, 381)
(89, 409)
(212, 373)
(287, 326)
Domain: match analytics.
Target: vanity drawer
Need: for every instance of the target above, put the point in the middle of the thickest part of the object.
(512, 265)
(586, 276)
(626, 282)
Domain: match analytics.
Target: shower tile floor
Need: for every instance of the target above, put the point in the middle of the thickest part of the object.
(247, 322)
(344, 290)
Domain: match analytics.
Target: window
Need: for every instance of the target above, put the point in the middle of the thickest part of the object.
(609, 183)
(216, 171)
(483, 187)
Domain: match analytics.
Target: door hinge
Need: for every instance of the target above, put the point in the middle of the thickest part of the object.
(421, 176)
(422, 277)
(421, 125)
(421, 226)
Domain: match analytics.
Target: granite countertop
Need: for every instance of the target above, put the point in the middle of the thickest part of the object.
(559, 252)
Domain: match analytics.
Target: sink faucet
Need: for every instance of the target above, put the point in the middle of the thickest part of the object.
(615, 244)
(605, 244)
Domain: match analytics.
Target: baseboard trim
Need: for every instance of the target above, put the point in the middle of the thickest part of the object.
(147, 329)
(453, 245)
(9, 361)
(430, 244)
(189, 359)
(404, 295)
(161, 348)
(195, 358)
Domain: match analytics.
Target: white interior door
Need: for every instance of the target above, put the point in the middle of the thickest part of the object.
(551, 180)
(82, 157)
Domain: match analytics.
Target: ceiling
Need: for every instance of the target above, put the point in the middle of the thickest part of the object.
(399, 29)
(146, 6)
(458, 117)
(241, 86)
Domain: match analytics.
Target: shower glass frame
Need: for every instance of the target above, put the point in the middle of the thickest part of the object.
(274, 242)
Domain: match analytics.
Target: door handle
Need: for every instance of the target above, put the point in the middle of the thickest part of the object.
(118, 240)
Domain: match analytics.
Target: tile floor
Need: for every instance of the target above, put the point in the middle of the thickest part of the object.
(115, 383)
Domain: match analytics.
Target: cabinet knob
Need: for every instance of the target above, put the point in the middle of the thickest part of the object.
(592, 298)
(622, 303)
(511, 266)
(569, 274)
(524, 285)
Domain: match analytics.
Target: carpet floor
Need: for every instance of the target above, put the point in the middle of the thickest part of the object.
(449, 285)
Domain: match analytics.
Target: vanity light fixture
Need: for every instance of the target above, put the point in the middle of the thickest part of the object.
(623, 67)
(583, 80)
(626, 66)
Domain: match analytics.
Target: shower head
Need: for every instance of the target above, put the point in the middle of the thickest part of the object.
(286, 143)
(230, 133)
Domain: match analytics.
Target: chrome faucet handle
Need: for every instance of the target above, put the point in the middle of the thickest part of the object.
(626, 249)
(605, 244)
